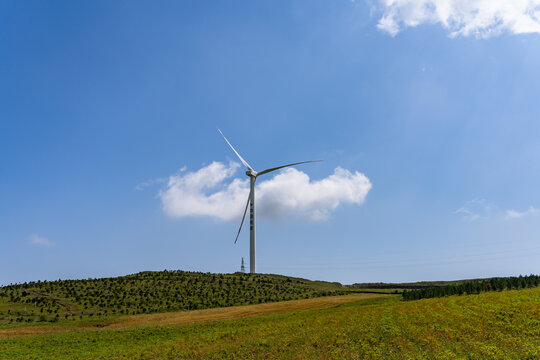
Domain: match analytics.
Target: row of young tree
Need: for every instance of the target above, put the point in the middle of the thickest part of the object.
(151, 292)
(474, 287)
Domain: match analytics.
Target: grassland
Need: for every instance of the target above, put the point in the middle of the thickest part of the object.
(184, 317)
(494, 325)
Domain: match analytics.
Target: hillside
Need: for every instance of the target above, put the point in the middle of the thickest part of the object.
(494, 325)
(150, 292)
(130, 322)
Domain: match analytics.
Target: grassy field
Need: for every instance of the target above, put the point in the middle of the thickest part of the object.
(182, 317)
(494, 325)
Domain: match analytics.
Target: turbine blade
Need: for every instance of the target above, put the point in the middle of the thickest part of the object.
(281, 167)
(237, 154)
(243, 217)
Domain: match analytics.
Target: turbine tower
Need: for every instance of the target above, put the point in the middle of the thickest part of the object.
(251, 201)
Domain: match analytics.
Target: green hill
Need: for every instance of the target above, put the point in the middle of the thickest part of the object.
(150, 292)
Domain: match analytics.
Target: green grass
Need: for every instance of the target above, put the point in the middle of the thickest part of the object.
(148, 292)
(495, 325)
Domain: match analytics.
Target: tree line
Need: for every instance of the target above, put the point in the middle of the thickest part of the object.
(474, 287)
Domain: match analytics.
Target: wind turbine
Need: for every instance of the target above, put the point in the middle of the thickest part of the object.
(251, 201)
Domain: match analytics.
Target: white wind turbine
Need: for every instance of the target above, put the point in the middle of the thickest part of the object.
(251, 200)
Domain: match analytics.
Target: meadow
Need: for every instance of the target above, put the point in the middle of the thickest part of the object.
(491, 325)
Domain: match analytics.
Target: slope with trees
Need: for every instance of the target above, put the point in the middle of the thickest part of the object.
(150, 292)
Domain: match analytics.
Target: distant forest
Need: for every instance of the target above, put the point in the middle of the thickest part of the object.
(474, 287)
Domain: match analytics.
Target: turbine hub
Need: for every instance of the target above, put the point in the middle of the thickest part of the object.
(251, 173)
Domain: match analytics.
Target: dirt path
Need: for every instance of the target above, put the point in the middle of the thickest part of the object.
(70, 309)
(189, 317)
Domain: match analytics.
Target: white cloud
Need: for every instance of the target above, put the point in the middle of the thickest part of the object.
(147, 183)
(210, 192)
(40, 241)
(481, 209)
(513, 214)
(476, 209)
(480, 18)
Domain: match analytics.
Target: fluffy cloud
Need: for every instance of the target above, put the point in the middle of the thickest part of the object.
(481, 18)
(210, 192)
(40, 241)
(513, 214)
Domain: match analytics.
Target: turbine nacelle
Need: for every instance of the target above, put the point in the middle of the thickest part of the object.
(251, 173)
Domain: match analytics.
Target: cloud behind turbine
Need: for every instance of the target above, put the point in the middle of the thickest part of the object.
(210, 191)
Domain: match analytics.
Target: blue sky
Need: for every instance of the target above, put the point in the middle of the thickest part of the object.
(107, 106)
